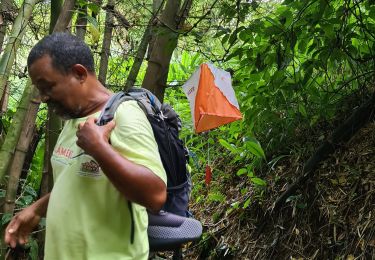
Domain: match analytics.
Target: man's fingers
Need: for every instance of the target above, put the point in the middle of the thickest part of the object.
(13, 226)
(23, 240)
(110, 125)
(13, 243)
(11, 237)
(91, 120)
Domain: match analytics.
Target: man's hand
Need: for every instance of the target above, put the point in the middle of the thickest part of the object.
(91, 136)
(20, 227)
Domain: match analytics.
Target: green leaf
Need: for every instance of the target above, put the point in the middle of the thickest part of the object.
(34, 249)
(29, 190)
(235, 205)
(274, 161)
(288, 18)
(302, 110)
(28, 199)
(92, 21)
(42, 223)
(94, 7)
(217, 197)
(233, 38)
(254, 147)
(292, 198)
(241, 171)
(258, 181)
(245, 35)
(246, 204)
(228, 146)
(225, 39)
(5, 219)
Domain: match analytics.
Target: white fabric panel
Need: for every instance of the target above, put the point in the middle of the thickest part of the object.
(190, 88)
(223, 81)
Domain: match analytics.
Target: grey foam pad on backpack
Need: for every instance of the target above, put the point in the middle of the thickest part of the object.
(167, 231)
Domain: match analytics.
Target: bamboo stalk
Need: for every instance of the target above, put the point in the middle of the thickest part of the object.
(8, 148)
(21, 151)
(142, 48)
(81, 22)
(18, 31)
(165, 42)
(104, 56)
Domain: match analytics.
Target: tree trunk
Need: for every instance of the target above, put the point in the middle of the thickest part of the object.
(8, 148)
(4, 100)
(65, 16)
(37, 136)
(56, 6)
(18, 30)
(142, 48)
(165, 43)
(3, 109)
(81, 22)
(156, 7)
(6, 6)
(26, 136)
(106, 42)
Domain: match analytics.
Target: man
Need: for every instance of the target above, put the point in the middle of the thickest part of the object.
(96, 169)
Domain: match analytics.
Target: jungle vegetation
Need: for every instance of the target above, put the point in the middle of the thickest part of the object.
(303, 73)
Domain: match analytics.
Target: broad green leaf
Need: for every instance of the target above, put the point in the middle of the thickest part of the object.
(92, 21)
(247, 203)
(6, 218)
(254, 147)
(241, 171)
(258, 181)
(94, 7)
(228, 146)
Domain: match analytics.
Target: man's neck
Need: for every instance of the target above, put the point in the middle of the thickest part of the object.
(96, 97)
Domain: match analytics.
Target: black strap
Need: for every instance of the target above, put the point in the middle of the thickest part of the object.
(131, 222)
(111, 106)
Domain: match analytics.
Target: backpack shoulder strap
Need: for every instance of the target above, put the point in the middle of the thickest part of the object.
(149, 103)
(111, 106)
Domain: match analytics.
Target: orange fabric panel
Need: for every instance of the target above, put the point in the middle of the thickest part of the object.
(212, 108)
(207, 122)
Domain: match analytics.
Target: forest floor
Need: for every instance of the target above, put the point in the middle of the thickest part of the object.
(331, 216)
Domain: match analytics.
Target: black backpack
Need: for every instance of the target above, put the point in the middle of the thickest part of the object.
(165, 124)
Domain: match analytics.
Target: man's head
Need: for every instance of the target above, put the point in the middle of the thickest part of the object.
(62, 68)
(65, 51)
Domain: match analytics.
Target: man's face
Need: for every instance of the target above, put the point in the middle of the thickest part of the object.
(59, 90)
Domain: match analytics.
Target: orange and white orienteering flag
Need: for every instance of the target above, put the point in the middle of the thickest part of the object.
(212, 99)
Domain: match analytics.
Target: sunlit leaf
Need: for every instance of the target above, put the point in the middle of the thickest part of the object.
(228, 146)
(258, 181)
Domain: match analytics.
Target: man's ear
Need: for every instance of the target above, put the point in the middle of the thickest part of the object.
(80, 72)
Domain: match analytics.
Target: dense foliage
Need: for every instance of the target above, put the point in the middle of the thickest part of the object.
(295, 65)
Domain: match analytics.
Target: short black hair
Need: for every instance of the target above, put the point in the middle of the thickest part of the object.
(65, 51)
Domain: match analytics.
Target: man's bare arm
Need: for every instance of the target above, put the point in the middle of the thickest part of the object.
(24, 222)
(136, 182)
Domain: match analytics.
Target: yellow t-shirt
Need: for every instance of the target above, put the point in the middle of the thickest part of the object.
(87, 218)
